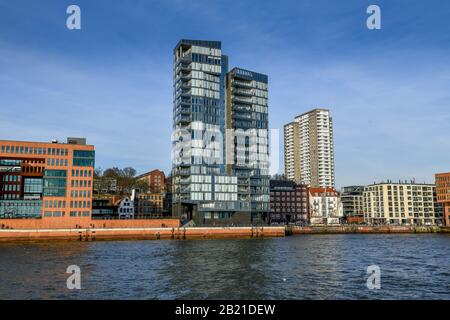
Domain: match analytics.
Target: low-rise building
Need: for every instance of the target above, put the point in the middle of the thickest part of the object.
(104, 208)
(443, 194)
(353, 204)
(325, 206)
(289, 202)
(149, 205)
(125, 208)
(402, 203)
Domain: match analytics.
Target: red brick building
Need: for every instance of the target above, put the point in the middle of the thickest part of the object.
(289, 202)
(443, 194)
(155, 180)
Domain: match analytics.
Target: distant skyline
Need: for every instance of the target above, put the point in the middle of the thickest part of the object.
(111, 81)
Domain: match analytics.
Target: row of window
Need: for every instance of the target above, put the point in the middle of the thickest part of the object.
(80, 194)
(80, 204)
(57, 162)
(54, 214)
(32, 185)
(57, 214)
(11, 187)
(54, 204)
(30, 169)
(35, 150)
(11, 178)
(81, 173)
(80, 183)
(79, 213)
(10, 196)
(287, 204)
(288, 193)
(293, 210)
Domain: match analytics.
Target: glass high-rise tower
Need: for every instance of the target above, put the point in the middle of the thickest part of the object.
(248, 141)
(205, 189)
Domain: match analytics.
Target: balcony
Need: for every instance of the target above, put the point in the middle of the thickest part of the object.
(243, 92)
(242, 100)
(242, 84)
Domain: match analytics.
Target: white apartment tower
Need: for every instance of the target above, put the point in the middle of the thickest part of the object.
(309, 149)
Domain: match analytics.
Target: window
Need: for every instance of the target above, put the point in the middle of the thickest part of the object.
(84, 158)
(55, 183)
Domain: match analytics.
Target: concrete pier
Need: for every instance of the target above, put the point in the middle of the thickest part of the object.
(94, 234)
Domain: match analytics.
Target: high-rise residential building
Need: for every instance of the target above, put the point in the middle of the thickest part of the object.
(48, 181)
(402, 203)
(247, 139)
(309, 149)
(204, 188)
(289, 202)
(443, 194)
(325, 206)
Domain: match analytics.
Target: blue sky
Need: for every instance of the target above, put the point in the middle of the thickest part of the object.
(388, 90)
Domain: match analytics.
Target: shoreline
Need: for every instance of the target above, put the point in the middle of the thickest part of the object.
(179, 233)
(198, 233)
(358, 229)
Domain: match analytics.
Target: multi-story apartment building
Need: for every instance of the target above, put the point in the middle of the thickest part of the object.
(402, 203)
(309, 149)
(48, 181)
(289, 202)
(443, 194)
(247, 139)
(352, 201)
(325, 206)
(155, 180)
(204, 189)
(148, 205)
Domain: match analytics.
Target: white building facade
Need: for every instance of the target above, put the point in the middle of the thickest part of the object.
(402, 203)
(325, 206)
(309, 149)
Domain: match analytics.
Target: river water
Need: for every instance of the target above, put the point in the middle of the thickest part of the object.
(296, 267)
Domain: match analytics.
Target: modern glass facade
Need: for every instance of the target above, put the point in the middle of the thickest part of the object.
(200, 185)
(55, 182)
(20, 209)
(248, 141)
(84, 158)
(204, 190)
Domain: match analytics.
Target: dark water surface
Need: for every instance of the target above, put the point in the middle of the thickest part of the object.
(296, 267)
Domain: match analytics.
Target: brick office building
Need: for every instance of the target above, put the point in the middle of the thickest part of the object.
(289, 202)
(443, 194)
(48, 181)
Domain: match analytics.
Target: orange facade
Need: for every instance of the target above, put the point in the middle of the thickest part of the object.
(443, 194)
(53, 182)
